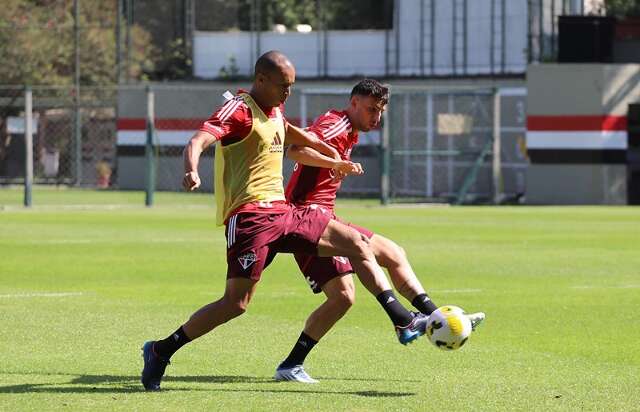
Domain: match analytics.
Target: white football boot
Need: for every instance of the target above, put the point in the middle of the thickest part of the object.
(294, 373)
(476, 319)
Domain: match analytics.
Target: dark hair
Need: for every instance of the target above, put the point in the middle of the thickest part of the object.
(370, 87)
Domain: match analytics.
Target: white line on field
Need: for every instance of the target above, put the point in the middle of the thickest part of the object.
(42, 295)
(61, 242)
(89, 241)
(102, 207)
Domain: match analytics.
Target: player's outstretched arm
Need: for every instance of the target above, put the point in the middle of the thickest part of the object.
(296, 136)
(310, 157)
(191, 155)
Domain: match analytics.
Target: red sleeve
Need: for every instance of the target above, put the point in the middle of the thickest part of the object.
(232, 120)
(329, 125)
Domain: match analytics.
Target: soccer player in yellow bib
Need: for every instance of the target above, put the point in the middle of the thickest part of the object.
(250, 132)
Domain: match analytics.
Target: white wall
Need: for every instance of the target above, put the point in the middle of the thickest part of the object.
(355, 52)
(362, 52)
(212, 50)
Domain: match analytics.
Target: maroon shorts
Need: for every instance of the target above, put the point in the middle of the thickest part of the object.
(253, 239)
(319, 270)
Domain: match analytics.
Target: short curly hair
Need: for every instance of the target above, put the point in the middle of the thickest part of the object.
(371, 87)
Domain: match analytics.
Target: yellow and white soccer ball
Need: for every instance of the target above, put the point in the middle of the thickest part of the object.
(448, 327)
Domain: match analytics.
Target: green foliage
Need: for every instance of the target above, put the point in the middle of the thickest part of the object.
(623, 8)
(37, 43)
(219, 15)
(229, 71)
(172, 62)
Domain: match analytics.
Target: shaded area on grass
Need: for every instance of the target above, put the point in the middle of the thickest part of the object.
(130, 384)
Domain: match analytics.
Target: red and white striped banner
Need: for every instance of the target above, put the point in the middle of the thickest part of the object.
(169, 132)
(577, 132)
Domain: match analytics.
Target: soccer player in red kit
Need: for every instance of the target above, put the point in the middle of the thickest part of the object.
(250, 132)
(313, 184)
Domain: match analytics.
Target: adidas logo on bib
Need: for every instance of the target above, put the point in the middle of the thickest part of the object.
(277, 144)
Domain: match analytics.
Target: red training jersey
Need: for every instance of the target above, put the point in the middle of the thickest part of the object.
(314, 185)
(231, 123)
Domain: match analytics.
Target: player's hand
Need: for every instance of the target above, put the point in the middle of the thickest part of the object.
(344, 168)
(337, 176)
(357, 169)
(191, 181)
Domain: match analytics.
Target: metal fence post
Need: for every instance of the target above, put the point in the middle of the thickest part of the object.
(28, 142)
(149, 149)
(497, 161)
(386, 160)
(303, 109)
(77, 113)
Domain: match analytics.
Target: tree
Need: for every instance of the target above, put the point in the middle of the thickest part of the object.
(222, 15)
(622, 8)
(37, 43)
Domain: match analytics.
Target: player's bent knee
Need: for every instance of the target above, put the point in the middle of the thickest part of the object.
(343, 300)
(392, 255)
(348, 297)
(361, 247)
(235, 307)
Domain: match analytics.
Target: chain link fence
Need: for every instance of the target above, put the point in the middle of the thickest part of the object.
(73, 141)
(440, 143)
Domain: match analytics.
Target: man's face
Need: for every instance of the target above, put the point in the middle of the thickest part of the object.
(276, 86)
(368, 111)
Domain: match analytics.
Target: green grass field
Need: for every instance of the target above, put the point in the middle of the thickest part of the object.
(82, 287)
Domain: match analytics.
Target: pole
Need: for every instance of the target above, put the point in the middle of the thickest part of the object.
(319, 38)
(432, 37)
(497, 162)
(529, 31)
(77, 115)
(258, 28)
(127, 65)
(492, 41)
(465, 23)
(118, 38)
(149, 149)
(303, 109)
(503, 40)
(28, 142)
(540, 30)
(421, 40)
(386, 160)
(396, 28)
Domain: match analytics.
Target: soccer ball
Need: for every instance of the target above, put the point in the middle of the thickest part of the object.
(448, 327)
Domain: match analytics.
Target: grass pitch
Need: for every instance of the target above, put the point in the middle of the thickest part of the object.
(82, 287)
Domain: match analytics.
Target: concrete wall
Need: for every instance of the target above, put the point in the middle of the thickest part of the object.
(576, 184)
(577, 132)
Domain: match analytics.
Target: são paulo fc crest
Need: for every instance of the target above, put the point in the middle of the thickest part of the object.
(247, 260)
